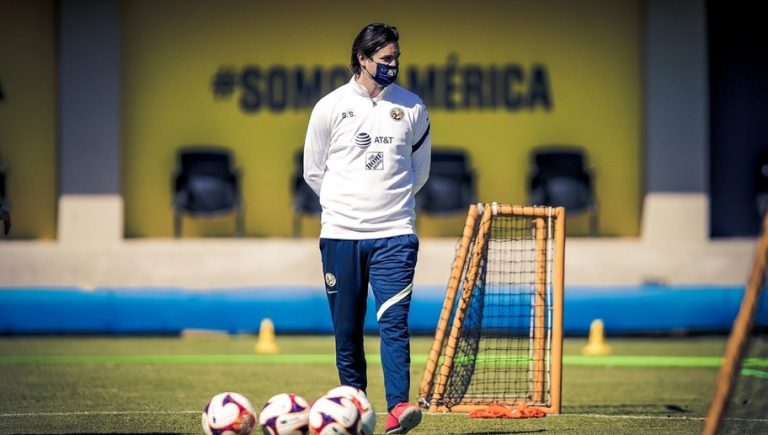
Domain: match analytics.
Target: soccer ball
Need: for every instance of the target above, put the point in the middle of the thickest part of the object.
(367, 413)
(228, 414)
(285, 414)
(332, 414)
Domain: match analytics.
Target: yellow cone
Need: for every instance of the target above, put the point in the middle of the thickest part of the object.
(596, 344)
(266, 342)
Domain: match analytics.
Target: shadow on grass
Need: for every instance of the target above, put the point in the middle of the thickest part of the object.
(676, 408)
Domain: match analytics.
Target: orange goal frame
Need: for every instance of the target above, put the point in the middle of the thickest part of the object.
(474, 238)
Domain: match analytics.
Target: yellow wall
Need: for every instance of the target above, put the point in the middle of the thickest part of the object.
(28, 115)
(589, 49)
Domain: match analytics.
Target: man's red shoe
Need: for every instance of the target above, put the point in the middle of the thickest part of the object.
(402, 418)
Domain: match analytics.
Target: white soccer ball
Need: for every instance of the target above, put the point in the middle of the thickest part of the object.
(337, 415)
(367, 413)
(285, 414)
(228, 414)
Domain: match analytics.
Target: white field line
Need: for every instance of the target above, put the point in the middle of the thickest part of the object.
(655, 417)
(117, 413)
(54, 414)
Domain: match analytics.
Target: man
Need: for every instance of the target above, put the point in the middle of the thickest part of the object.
(366, 154)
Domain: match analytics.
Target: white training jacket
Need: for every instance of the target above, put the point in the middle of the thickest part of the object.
(366, 158)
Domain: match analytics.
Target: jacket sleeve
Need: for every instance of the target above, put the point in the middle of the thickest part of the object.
(316, 146)
(421, 150)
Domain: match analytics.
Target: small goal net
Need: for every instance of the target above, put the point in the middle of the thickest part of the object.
(499, 336)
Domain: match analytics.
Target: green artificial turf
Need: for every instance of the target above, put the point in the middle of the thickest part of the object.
(160, 384)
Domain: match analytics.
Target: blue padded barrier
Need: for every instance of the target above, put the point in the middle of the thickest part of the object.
(623, 309)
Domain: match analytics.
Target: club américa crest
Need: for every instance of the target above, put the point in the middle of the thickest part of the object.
(330, 279)
(396, 113)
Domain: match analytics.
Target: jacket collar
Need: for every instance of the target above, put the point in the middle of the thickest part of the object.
(360, 90)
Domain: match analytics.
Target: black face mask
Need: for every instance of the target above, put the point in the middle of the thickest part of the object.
(385, 74)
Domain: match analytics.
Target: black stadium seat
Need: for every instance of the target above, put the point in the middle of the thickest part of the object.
(305, 201)
(206, 184)
(559, 178)
(451, 185)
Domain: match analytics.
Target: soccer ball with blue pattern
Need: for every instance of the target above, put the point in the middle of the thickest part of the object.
(367, 413)
(228, 414)
(285, 414)
(334, 414)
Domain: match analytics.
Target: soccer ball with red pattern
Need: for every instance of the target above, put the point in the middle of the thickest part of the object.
(228, 414)
(285, 414)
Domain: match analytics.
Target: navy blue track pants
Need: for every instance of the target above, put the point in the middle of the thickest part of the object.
(388, 266)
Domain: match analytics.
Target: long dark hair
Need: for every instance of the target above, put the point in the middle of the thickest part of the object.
(371, 39)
